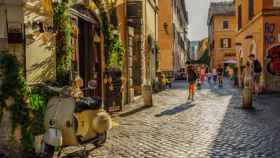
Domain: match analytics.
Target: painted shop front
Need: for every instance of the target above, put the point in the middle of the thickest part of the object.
(86, 39)
(272, 52)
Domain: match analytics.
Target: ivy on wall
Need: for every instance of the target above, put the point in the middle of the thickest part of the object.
(116, 51)
(62, 23)
(28, 105)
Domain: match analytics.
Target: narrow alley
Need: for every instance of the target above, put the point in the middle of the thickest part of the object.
(213, 125)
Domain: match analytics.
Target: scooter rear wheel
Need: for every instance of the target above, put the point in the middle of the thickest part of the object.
(48, 151)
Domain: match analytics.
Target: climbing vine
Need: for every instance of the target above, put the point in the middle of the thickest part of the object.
(28, 105)
(62, 23)
(116, 51)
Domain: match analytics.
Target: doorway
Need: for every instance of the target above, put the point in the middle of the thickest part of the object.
(89, 56)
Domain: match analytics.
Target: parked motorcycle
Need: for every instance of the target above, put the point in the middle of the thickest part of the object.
(74, 121)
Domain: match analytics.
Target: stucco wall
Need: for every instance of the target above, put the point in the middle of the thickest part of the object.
(219, 54)
(40, 53)
(165, 35)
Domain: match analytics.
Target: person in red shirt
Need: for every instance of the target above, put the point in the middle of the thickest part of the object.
(202, 74)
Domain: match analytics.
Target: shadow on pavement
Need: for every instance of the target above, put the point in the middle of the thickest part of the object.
(79, 154)
(248, 133)
(176, 109)
(142, 108)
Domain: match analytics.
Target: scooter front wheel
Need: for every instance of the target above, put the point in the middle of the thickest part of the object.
(48, 151)
(101, 139)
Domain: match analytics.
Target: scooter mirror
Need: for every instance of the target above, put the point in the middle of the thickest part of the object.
(92, 84)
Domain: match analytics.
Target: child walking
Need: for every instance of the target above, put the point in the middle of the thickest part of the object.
(191, 78)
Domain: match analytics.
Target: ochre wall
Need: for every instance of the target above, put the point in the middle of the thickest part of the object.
(258, 36)
(258, 5)
(219, 54)
(253, 30)
(165, 35)
(121, 19)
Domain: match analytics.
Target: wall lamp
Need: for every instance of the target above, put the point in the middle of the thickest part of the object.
(165, 26)
(249, 37)
(238, 44)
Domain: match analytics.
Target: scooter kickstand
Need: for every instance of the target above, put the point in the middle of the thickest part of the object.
(59, 152)
(84, 151)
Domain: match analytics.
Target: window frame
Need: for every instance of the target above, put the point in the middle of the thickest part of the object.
(250, 9)
(225, 45)
(227, 24)
(239, 17)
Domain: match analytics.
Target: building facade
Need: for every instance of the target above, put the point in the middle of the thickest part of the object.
(203, 46)
(221, 28)
(193, 50)
(258, 33)
(173, 42)
(142, 20)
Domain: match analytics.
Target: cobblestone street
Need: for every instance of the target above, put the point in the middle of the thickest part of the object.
(212, 126)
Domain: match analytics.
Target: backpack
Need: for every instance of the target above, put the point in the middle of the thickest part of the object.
(220, 71)
(257, 67)
(192, 76)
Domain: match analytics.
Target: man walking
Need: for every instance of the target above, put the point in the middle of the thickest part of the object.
(256, 73)
(220, 72)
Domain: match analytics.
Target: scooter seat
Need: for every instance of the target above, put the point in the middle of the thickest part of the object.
(88, 103)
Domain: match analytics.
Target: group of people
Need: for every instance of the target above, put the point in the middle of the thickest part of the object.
(196, 77)
(250, 76)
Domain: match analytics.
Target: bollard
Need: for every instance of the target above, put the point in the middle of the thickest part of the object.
(247, 98)
(147, 95)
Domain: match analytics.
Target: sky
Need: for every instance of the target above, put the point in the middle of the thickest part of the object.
(198, 14)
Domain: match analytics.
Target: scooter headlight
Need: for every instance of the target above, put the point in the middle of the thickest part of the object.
(52, 123)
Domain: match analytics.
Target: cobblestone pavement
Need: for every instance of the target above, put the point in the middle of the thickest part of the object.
(212, 126)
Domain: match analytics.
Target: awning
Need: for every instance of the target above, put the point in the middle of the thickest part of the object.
(230, 61)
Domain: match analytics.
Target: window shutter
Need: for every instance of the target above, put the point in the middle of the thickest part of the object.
(251, 9)
(239, 17)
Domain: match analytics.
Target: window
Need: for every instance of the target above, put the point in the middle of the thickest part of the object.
(225, 25)
(250, 9)
(239, 17)
(134, 10)
(225, 43)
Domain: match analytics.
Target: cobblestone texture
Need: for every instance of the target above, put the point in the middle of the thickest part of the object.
(212, 126)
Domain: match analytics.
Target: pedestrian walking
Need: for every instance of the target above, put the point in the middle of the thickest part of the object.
(209, 77)
(256, 73)
(215, 75)
(220, 72)
(191, 78)
(202, 74)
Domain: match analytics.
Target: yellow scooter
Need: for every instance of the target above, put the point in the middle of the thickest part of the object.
(74, 122)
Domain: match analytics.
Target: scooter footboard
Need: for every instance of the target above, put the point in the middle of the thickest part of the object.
(53, 137)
